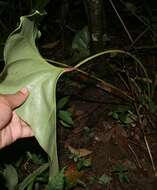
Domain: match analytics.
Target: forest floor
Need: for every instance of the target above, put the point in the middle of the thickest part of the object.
(118, 155)
(98, 151)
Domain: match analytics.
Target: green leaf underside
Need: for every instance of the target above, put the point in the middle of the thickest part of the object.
(66, 117)
(62, 102)
(11, 177)
(24, 67)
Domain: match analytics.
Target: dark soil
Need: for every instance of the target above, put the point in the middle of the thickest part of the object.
(111, 144)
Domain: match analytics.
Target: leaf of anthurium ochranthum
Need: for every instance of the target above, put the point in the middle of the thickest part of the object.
(24, 67)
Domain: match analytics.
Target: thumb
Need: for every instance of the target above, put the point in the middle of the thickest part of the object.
(15, 100)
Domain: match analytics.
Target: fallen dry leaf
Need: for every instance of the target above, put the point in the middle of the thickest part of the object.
(81, 152)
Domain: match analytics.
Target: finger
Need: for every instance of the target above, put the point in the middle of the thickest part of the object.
(26, 131)
(15, 130)
(20, 128)
(11, 132)
(15, 100)
(5, 138)
(5, 114)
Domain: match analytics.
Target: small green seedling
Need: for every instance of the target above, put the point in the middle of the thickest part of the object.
(121, 172)
(124, 115)
(36, 159)
(89, 133)
(82, 162)
(64, 116)
(104, 179)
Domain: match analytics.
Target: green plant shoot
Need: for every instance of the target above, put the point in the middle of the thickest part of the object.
(25, 67)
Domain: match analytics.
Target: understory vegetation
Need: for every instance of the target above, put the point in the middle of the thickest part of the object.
(92, 66)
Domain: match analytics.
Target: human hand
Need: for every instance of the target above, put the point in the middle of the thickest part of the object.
(12, 127)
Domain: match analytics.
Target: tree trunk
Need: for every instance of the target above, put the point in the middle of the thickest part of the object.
(96, 24)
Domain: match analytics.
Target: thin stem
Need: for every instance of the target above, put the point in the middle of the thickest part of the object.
(102, 84)
(115, 52)
(124, 82)
(134, 13)
(136, 157)
(141, 126)
(122, 22)
(145, 139)
(139, 37)
(108, 87)
(150, 155)
(138, 17)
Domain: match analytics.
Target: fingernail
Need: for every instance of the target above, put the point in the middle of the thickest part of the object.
(24, 90)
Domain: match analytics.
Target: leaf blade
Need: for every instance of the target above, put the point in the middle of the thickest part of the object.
(25, 67)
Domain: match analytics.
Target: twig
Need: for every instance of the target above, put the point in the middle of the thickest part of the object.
(140, 146)
(122, 22)
(145, 140)
(102, 84)
(139, 37)
(124, 82)
(135, 155)
(142, 128)
(93, 101)
(115, 51)
(134, 13)
(107, 86)
(139, 18)
(150, 155)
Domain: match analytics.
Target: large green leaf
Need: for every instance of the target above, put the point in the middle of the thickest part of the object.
(24, 67)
